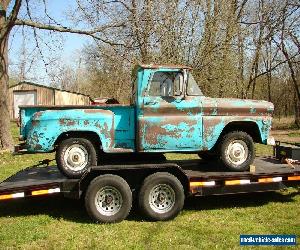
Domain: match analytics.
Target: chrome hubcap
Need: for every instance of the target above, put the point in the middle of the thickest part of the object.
(76, 157)
(108, 201)
(162, 198)
(237, 152)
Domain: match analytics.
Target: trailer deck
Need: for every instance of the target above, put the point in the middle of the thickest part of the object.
(205, 178)
(263, 166)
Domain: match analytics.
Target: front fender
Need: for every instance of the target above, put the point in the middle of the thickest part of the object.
(213, 126)
(47, 126)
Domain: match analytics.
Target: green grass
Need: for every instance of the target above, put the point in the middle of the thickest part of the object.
(15, 131)
(205, 223)
(296, 134)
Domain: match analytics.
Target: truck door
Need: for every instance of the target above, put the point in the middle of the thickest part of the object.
(168, 120)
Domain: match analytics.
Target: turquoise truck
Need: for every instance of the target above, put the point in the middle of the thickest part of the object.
(167, 113)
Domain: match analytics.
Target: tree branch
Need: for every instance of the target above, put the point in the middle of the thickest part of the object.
(124, 4)
(92, 33)
(11, 19)
(14, 13)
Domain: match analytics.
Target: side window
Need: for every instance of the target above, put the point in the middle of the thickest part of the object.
(166, 84)
(192, 86)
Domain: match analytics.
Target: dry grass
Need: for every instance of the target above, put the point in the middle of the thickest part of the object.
(284, 123)
(287, 135)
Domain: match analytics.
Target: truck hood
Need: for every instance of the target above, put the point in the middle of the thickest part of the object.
(233, 106)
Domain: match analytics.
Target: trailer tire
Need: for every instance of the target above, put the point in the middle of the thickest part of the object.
(161, 196)
(237, 151)
(108, 199)
(81, 148)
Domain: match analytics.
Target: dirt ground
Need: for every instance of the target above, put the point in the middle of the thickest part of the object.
(286, 135)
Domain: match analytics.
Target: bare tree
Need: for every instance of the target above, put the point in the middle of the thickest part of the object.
(237, 48)
(7, 22)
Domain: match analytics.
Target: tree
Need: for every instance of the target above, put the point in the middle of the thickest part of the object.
(238, 48)
(7, 22)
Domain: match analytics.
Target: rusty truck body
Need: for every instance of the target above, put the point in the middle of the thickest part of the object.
(167, 113)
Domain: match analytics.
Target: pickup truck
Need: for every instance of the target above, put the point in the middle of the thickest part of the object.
(167, 113)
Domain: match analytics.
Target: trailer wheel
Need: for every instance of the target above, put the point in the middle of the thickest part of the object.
(161, 196)
(237, 151)
(108, 199)
(75, 155)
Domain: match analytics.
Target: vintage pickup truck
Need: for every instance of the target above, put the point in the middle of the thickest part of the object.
(167, 113)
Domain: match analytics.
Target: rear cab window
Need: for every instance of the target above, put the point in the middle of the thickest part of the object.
(165, 83)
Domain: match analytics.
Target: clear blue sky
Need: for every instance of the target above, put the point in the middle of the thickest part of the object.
(72, 43)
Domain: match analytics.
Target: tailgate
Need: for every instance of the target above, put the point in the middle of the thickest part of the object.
(26, 114)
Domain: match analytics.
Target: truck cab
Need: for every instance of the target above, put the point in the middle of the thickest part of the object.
(167, 113)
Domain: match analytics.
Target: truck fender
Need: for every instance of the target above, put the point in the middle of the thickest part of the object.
(215, 126)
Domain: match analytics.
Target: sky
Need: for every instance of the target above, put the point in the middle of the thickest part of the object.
(66, 46)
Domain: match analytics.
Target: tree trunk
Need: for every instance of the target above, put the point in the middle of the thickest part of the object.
(295, 83)
(297, 113)
(6, 24)
(6, 141)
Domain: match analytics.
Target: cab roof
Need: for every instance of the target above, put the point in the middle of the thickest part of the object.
(158, 66)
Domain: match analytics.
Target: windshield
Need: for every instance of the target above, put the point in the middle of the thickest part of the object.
(192, 86)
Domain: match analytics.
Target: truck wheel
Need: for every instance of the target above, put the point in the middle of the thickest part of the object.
(237, 151)
(161, 196)
(108, 199)
(75, 155)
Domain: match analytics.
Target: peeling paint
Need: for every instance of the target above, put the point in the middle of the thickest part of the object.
(151, 124)
(102, 123)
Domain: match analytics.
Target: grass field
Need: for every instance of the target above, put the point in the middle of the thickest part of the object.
(205, 223)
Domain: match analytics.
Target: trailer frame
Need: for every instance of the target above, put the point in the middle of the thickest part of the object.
(268, 175)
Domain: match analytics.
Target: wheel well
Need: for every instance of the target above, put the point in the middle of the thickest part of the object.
(92, 136)
(250, 128)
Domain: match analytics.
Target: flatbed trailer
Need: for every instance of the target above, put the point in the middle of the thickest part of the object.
(159, 188)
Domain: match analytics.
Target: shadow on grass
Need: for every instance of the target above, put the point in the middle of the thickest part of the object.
(55, 206)
(237, 200)
(58, 207)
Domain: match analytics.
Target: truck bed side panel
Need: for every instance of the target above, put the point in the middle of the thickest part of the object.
(114, 125)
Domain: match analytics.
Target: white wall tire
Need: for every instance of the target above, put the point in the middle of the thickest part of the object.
(237, 151)
(75, 155)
